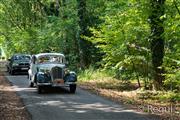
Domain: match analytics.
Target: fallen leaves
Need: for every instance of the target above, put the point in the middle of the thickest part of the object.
(11, 106)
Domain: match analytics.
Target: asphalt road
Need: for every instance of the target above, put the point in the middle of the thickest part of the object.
(59, 104)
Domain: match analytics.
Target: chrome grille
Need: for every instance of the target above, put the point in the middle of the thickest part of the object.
(24, 64)
(57, 73)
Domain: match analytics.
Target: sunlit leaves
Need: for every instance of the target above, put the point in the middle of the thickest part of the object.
(126, 25)
(119, 28)
(29, 30)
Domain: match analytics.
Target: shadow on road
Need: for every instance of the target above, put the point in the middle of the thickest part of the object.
(58, 102)
(55, 90)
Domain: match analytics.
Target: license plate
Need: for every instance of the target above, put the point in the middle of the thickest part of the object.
(24, 68)
(59, 81)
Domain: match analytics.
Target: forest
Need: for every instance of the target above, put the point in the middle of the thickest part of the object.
(132, 41)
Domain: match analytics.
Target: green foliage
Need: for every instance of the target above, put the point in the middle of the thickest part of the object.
(94, 74)
(27, 28)
(160, 96)
(123, 37)
(172, 81)
(170, 96)
(172, 46)
(103, 79)
(116, 33)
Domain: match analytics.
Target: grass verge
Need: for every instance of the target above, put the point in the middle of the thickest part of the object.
(166, 104)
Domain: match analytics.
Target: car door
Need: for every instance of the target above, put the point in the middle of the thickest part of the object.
(8, 64)
(33, 68)
(11, 62)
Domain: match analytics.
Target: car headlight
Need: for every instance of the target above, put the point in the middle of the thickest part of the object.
(67, 71)
(44, 70)
(15, 64)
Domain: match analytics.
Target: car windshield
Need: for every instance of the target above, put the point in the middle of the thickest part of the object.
(22, 57)
(51, 59)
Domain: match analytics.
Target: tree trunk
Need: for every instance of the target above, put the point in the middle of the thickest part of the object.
(83, 29)
(157, 41)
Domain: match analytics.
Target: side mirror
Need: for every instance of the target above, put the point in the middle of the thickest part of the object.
(67, 63)
(34, 62)
(33, 59)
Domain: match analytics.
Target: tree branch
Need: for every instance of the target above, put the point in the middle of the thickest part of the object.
(175, 4)
(12, 18)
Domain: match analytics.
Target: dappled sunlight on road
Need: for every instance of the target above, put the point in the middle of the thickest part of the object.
(16, 88)
(60, 103)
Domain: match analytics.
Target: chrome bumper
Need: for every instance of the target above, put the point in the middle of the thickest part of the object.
(66, 84)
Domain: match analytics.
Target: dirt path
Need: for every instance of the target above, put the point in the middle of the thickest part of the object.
(11, 107)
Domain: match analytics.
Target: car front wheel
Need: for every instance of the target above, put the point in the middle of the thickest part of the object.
(12, 72)
(31, 84)
(39, 89)
(72, 88)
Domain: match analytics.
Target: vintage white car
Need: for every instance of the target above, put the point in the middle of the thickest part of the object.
(49, 70)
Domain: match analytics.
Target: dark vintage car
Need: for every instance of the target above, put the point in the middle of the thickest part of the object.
(49, 70)
(18, 63)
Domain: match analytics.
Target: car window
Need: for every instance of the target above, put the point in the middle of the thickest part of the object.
(51, 59)
(21, 57)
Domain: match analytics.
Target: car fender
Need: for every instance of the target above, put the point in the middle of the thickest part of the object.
(43, 77)
(70, 77)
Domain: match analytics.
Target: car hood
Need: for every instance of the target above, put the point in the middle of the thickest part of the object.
(49, 66)
(21, 61)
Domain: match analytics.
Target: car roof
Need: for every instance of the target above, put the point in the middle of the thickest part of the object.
(20, 54)
(44, 54)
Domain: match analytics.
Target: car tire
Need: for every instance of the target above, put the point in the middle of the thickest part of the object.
(31, 84)
(7, 69)
(72, 88)
(12, 72)
(39, 89)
